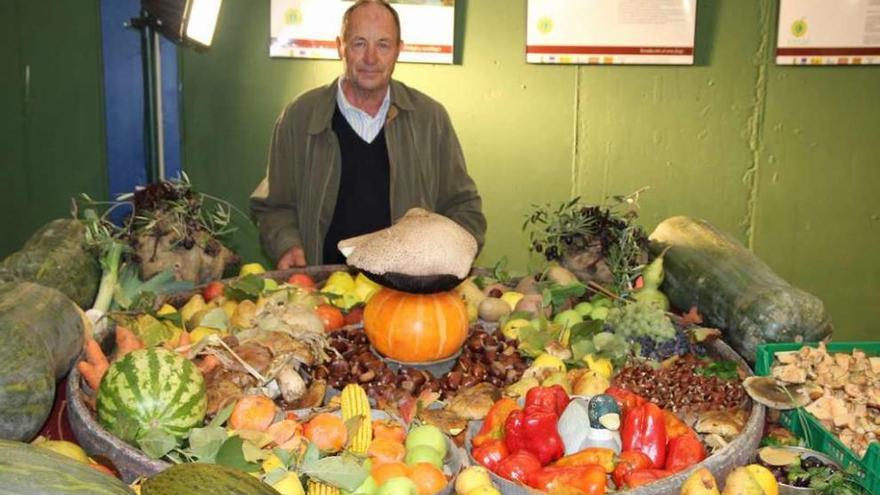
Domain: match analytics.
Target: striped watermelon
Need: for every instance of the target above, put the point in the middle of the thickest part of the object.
(151, 388)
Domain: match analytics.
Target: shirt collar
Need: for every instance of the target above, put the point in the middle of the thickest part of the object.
(344, 104)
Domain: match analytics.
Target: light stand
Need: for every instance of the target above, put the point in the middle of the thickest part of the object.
(183, 22)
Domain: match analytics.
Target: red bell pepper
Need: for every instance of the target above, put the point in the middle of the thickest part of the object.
(675, 427)
(593, 455)
(493, 424)
(627, 462)
(490, 453)
(644, 477)
(534, 431)
(553, 398)
(534, 428)
(683, 452)
(518, 466)
(625, 399)
(589, 480)
(644, 429)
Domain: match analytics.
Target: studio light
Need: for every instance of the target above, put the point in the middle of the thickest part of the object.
(187, 22)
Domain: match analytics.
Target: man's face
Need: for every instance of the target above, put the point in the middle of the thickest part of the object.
(370, 49)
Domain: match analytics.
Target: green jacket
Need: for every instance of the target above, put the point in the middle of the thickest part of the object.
(294, 204)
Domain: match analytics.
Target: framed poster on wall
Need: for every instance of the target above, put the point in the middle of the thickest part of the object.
(611, 31)
(828, 32)
(308, 29)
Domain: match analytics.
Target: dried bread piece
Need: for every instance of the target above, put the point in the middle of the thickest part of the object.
(421, 243)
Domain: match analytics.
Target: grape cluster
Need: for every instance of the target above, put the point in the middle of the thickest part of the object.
(641, 320)
(679, 345)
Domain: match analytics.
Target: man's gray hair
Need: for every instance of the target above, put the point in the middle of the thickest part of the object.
(346, 18)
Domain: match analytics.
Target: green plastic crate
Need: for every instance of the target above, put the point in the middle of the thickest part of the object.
(868, 468)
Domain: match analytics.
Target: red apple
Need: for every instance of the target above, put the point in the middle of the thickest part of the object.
(355, 315)
(301, 280)
(212, 290)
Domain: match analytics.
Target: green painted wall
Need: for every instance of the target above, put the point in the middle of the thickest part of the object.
(51, 120)
(782, 157)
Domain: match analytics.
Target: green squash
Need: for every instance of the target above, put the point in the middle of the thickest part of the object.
(25, 469)
(204, 478)
(733, 289)
(56, 257)
(41, 335)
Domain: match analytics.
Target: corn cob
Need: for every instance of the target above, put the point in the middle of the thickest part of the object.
(318, 488)
(355, 403)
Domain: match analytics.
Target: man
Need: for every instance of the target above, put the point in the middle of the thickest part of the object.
(351, 157)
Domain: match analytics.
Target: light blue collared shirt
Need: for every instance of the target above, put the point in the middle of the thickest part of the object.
(365, 125)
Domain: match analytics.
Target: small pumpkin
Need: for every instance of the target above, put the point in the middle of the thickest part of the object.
(416, 327)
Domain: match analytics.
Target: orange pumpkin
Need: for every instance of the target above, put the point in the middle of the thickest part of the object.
(416, 327)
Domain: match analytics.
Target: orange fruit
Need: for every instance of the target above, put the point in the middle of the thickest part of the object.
(384, 472)
(327, 431)
(331, 316)
(253, 412)
(384, 450)
(388, 428)
(428, 479)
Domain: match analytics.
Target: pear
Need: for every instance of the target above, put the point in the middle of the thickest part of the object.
(469, 291)
(701, 482)
(741, 482)
(559, 275)
(521, 387)
(195, 304)
(558, 378)
(243, 316)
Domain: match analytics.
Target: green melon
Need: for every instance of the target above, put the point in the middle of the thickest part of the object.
(204, 478)
(55, 256)
(41, 335)
(151, 388)
(25, 469)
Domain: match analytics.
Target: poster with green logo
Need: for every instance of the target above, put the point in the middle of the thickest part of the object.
(828, 32)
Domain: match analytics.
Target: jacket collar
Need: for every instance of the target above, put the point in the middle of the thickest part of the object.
(323, 115)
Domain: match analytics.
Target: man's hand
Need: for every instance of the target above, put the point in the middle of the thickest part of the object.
(295, 257)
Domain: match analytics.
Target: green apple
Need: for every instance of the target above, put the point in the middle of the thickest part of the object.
(568, 318)
(599, 313)
(269, 284)
(423, 453)
(368, 487)
(398, 485)
(428, 435)
(584, 309)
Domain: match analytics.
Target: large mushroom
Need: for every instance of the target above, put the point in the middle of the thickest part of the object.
(422, 253)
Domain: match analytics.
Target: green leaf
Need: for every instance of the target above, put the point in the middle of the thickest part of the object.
(581, 348)
(205, 443)
(274, 476)
(283, 455)
(156, 442)
(174, 318)
(253, 453)
(223, 415)
(344, 472)
(232, 454)
(215, 318)
(725, 370)
(248, 287)
(352, 425)
(312, 454)
(533, 341)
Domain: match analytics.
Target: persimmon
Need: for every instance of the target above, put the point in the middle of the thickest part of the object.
(284, 430)
(253, 412)
(428, 479)
(331, 317)
(388, 428)
(384, 450)
(327, 431)
(384, 472)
